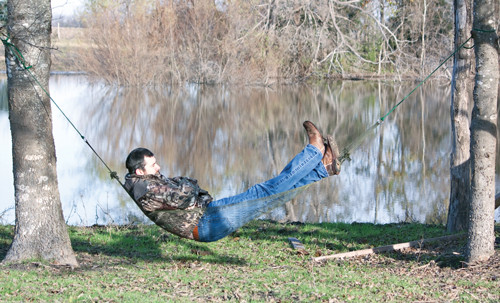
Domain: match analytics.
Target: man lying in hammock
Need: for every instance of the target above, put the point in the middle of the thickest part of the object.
(181, 207)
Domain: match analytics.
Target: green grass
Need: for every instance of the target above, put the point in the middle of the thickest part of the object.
(256, 264)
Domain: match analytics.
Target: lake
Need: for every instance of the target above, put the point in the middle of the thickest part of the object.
(229, 138)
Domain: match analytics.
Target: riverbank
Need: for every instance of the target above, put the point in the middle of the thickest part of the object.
(257, 263)
(69, 43)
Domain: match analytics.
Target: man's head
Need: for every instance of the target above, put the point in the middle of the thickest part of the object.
(141, 161)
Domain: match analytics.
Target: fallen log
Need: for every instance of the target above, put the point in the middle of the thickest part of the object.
(363, 252)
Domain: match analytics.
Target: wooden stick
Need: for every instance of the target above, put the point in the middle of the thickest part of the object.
(386, 248)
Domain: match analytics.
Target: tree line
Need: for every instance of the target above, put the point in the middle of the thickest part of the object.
(263, 41)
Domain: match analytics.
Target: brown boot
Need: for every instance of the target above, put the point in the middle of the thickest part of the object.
(330, 159)
(315, 137)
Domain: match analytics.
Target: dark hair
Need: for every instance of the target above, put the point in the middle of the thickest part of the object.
(135, 159)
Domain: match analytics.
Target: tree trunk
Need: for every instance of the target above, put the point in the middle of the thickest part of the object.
(422, 126)
(40, 230)
(481, 238)
(382, 11)
(460, 96)
(422, 52)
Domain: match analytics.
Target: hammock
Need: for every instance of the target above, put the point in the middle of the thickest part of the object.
(219, 221)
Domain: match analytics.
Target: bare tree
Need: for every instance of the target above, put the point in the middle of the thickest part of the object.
(460, 117)
(422, 52)
(40, 230)
(481, 238)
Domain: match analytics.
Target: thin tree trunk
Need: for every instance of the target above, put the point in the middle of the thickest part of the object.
(381, 4)
(422, 53)
(40, 231)
(422, 126)
(378, 181)
(461, 87)
(481, 238)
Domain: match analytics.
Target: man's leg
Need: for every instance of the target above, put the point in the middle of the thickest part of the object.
(305, 168)
(223, 216)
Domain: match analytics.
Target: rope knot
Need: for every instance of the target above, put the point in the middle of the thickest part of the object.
(345, 155)
(16, 52)
(114, 175)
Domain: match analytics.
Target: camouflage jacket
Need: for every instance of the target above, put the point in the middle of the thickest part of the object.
(175, 204)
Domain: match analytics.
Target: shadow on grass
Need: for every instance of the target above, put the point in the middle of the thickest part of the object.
(144, 242)
(6, 235)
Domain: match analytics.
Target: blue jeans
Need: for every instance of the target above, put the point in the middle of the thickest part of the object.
(224, 216)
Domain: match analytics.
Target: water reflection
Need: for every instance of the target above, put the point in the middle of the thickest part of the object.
(230, 138)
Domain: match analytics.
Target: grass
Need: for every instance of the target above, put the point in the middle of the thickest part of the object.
(145, 264)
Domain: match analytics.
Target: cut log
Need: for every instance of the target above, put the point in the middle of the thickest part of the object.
(363, 252)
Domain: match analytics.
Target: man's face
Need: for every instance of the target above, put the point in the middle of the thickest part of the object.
(150, 167)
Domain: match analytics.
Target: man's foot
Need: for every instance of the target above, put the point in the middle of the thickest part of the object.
(315, 137)
(330, 159)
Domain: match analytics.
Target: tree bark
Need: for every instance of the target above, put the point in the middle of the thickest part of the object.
(481, 238)
(40, 231)
(460, 116)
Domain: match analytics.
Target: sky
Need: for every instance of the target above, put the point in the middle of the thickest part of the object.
(65, 7)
